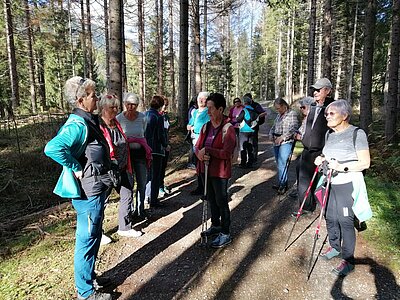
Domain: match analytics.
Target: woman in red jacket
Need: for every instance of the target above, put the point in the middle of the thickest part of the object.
(216, 145)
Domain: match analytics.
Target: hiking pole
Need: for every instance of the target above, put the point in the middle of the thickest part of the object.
(204, 217)
(316, 236)
(319, 252)
(301, 207)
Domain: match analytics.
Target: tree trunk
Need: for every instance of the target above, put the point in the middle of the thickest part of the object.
(393, 96)
(107, 37)
(327, 26)
(196, 45)
(124, 78)
(366, 78)
(89, 41)
(287, 60)
(339, 70)
(290, 75)
(115, 49)
(183, 63)
(278, 64)
(311, 46)
(71, 40)
(83, 40)
(40, 70)
(160, 47)
(353, 54)
(12, 62)
(142, 71)
(205, 81)
(171, 54)
(31, 58)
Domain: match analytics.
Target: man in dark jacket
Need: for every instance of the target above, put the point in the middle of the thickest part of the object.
(313, 141)
(261, 111)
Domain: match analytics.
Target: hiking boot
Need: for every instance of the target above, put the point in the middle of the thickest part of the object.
(96, 296)
(330, 253)
(213, 230)
(282, 190)
(129, 233)
(343, 268)
(101, 282)
(221, 241)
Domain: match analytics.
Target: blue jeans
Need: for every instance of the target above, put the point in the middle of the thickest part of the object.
(89, 218)
(140, 175)
(282, 153)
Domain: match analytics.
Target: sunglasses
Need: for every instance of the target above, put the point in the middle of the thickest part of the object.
(331, 113)
(302, 107)
(318, 90)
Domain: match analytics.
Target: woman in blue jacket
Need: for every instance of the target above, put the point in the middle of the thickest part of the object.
(83, 152)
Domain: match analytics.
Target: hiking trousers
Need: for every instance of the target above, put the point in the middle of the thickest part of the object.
(89, 219)
(217, 195)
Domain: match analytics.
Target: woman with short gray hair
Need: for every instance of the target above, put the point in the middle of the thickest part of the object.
(119, 152)
(346, 152)
(82, 150)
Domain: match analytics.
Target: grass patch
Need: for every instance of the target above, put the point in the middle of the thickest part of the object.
(384, 228)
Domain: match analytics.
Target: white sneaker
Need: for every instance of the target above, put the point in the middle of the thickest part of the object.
(129, 233)
(105, 240)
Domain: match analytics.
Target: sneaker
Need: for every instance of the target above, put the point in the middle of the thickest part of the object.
(213, 230)
(191, 166)
(343, 268)
(167, 189)
(330, 253)
(96, 296)
(221, 241)
(161, 192)
(129, 233)
(105, 240)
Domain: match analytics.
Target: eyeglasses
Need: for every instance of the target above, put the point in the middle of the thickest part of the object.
(318, 90)
(80, 84)
(331, 113)
(302, 107)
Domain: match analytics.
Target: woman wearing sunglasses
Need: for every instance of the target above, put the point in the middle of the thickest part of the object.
(347, 153)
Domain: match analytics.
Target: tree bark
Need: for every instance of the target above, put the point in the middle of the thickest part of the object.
(352, 60)
(83, 40)
(278, 63)
(311, 46)
(366, 78)
(89, 40)
(124, 78)
(142, 71)
(392, 95)
(205, 81)
(172, 54)
(107, 38)
(327, 26)
(12, 62)
(160, 47)
(31, 58)
(115, 49)
(71, 40)
(183, 63)
(196, 46)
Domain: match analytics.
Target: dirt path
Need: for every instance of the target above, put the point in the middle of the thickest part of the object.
(167, 262)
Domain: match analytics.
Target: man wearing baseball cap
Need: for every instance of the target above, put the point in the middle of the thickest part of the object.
(313, 141)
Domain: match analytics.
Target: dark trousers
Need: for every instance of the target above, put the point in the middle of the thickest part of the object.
(155, 178)
(217, 195)
(247, 154)
(306, 171)
(340, 220)
(164, 168)
(255, 144)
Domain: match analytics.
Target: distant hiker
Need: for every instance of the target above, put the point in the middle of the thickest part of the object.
(215, 146)
(304, 105)
(82, 150)
(346, 151)
(133, 124)
(120, 154)
(200, 117)
(192, 157)
(247, 120)
(282, 133)
(157, 140)
(313, 140)
(234, 112)
(165, 190)
(262, 113)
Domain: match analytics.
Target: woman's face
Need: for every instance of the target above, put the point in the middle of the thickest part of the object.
(89, 102)
(201, 102)
(305, 109)
(334, 118)
(110, 111)
(131, 107)
(213, 112)
(164, 108)
(237, 102)
(280, 108)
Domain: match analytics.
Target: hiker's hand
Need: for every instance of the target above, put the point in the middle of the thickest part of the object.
(278, 140)
(201, 154)
(319, 160)
(206, 157)
(334, 165)
(78, 174)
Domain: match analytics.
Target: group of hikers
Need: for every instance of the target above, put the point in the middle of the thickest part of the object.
(112, 150)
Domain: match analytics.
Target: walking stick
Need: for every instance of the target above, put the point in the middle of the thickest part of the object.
(301, 208)
(204, 217)
(316, 236)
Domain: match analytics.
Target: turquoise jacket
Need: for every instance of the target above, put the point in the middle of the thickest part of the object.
(65, 148)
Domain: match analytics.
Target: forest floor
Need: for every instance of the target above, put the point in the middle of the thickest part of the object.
(167, 262)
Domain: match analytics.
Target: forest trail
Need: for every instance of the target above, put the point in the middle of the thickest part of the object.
(168, 263)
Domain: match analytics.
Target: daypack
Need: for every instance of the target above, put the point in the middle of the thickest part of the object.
(250, 121)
